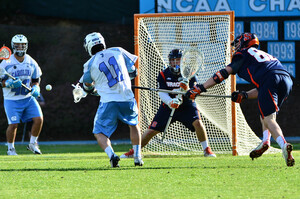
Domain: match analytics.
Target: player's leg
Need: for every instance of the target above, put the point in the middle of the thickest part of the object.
(11, 133)
(189, 116)
(264, 145)
(277, 91)
(13, 110)
(146, 137)
(157, 125)
(105, 123)
(128, 113)
(33, 112)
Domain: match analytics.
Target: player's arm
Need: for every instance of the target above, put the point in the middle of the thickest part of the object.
(239, 96)
(165, 97)
(217, 78)
(35, 89)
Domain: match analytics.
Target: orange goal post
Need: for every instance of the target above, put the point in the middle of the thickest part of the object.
(155, 35)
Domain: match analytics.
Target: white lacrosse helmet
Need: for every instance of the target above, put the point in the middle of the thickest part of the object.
(19, 44)
(92, 40)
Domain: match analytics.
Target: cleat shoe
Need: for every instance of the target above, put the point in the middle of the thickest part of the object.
(12, 151)
(114, 161)
(287, 154)
(260, 149)
(34, 148)
(128, 154)
(209, 153)
(138, 162)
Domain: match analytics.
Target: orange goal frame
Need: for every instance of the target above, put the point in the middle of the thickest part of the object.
(233, 78)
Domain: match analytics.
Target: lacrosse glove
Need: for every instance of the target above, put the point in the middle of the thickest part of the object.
(10, 83)
(35, 91)
(238, 96)
(174, 103)
(196, 90)
(184, 84)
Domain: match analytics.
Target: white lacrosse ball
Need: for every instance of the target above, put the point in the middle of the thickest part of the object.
(48, 87)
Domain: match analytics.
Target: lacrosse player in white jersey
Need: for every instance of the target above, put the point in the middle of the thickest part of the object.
(20, 103)
(109, 72)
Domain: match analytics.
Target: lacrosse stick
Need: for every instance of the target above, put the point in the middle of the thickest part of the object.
(4, 72)
(190, 64)
(78, 93)
(5, 53)
(178, 92)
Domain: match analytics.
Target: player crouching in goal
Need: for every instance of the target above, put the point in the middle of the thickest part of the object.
(273, 85)
(186, 110)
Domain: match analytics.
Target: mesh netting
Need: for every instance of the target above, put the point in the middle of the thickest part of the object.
(157, 36)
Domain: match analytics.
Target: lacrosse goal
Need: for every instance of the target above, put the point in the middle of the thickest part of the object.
(155, 35)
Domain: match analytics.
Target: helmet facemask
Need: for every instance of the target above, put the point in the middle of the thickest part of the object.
(19, 44)
(174, 61)
(175, 65)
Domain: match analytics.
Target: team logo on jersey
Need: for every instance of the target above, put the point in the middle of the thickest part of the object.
(154, 124)
(13, 118)
(173, 84)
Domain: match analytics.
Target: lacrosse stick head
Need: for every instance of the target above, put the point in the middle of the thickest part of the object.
(192, 61)
(78, 93)
(5, 53)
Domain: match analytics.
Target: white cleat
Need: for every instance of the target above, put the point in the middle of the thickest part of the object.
(12, 151)
(34, 148)
(287, 154)
(209, 153)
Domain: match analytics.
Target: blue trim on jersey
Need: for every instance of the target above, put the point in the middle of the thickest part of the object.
(87, 78)
(128, 62)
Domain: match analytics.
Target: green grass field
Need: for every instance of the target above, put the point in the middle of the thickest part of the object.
(83, 171)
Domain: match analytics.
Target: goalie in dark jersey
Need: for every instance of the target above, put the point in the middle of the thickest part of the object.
(273, 85)
(186, 111)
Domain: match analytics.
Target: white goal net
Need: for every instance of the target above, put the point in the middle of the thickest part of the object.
(211, 32)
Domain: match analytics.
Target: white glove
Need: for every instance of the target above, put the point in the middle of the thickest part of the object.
(174, 103)
(184, 84)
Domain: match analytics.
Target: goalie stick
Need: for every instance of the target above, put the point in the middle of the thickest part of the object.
(178, 92)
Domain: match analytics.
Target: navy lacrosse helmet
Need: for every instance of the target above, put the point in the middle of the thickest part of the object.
(245, 40)
(174, 54)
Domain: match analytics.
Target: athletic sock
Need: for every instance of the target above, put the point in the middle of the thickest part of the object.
(33, 139)
(204, 144)
(10, 145)
(266, 135)
(109, 151)
(137, 151)
(281, 141)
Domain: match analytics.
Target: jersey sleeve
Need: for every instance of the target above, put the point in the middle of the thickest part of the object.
(192, 82)
(237, 62)
(37, 72)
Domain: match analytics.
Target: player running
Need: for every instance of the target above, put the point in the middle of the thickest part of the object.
(186, 110)
(108, 71)
(19, 103)
(273, 85)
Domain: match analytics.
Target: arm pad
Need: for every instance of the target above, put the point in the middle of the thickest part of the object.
(220, 75)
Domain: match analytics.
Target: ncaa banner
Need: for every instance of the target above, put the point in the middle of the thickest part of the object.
(242, 8)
